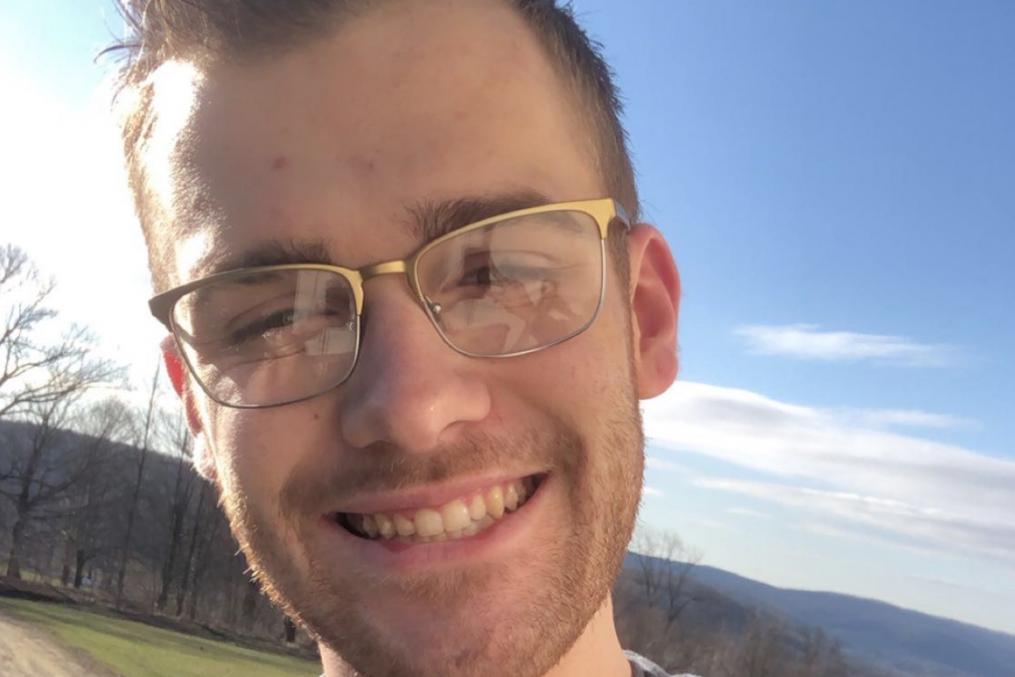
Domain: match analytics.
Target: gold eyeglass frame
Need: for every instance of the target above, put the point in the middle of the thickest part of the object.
(604, 211)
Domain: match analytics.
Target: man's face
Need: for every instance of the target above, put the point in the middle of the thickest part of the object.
(342, 142)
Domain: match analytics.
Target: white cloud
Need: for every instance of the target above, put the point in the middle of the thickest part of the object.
(825, 463)
(748, 512)
(652, 491)
(666, 465)
(909, 418)
(708, 523)
(903, 522)
(809, 342)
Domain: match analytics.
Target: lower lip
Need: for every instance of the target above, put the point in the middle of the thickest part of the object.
(506, 534)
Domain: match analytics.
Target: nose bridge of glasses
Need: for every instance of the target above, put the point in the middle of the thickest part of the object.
(383, 268)
(398, 267)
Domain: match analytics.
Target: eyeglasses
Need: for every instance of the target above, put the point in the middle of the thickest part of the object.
(504, 286)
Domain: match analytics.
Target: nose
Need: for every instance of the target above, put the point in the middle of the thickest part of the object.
(409, 388)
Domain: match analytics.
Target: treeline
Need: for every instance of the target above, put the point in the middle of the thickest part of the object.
(97, 493)
(685, 626)
(179, 560)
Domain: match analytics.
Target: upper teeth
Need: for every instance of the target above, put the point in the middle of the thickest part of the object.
(461, 517)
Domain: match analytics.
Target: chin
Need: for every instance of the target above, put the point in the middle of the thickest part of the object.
(509, 599)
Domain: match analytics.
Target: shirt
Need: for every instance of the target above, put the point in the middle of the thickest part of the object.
(643, 667)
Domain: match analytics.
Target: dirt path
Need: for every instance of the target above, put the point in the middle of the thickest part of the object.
(29, 651)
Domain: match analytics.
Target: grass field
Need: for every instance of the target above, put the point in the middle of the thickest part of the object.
(137, 650)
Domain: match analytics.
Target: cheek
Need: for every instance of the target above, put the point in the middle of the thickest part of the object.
(586, 382)
(588, 371)
(255, 450)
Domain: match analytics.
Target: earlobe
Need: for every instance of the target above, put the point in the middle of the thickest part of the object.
(655, 304)
(202, 458)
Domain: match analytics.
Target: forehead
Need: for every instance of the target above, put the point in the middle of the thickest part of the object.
(340, 140)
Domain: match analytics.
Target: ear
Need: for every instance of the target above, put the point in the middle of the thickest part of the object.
(179, 377)
(655, 304)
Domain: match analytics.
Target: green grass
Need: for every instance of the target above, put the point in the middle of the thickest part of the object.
(35, 577)
(136, 649)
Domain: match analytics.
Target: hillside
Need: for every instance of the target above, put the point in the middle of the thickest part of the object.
(910, 642)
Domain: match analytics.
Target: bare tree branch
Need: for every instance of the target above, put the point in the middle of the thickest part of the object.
(149, 417)
(34, 370)
(664, 568)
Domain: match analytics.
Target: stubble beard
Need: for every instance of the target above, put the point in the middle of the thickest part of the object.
(550, 598)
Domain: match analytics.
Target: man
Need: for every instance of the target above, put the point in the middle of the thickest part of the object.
(413, 311)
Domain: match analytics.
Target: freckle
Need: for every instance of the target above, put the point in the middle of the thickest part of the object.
(280, 163)
(317, 417)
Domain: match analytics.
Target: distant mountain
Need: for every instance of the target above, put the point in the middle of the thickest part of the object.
(909, 642)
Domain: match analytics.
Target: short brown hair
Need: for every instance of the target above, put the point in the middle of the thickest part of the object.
(161, 30)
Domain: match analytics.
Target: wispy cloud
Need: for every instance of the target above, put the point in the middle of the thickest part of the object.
(810, 342)
(748, 512)
(652, 491)
(898, 521)
(656, 463)
(709, 523)
(905, 418)
(916, 491)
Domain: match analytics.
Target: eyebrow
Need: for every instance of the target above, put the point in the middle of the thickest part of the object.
(432, 219)
(425, 220)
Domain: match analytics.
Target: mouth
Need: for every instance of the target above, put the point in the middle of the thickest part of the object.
(459, 518)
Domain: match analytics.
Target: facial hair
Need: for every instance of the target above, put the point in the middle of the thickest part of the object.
(505, 618)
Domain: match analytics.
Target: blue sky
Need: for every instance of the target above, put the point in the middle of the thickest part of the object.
(835, 180)
(842, 164)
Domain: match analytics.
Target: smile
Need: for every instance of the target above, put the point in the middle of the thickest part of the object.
(459, 518)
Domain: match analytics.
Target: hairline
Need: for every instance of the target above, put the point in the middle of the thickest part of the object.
(586, 105)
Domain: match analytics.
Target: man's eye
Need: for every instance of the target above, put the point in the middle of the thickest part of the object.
(482, 276)
(502, 274)
(256, 329)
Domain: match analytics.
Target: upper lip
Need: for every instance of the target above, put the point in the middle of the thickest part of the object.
(436, 495)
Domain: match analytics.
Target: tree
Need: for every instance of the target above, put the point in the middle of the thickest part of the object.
(651, 597)
(88, 530)
(42, 470)
(179, 501)
(664, 565)
(33, 371)
(289, 630)
(763, 652)
(202, 555)
(821, 655)
(132, 511)
(41, 380)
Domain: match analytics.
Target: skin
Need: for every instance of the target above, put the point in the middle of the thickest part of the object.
(460, 101)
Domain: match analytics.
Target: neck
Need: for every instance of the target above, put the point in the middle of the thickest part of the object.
(596, 652)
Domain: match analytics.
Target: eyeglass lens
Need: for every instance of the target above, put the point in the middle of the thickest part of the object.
(510, 287)
(269, 338)
(516, 285)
